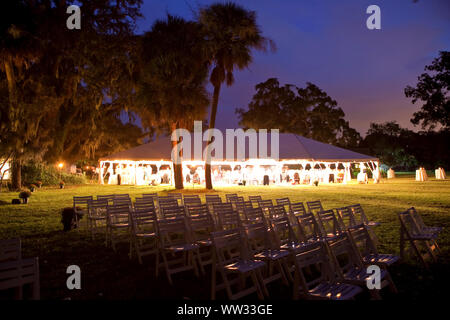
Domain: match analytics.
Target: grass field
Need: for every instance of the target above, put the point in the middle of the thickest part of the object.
(112, 275)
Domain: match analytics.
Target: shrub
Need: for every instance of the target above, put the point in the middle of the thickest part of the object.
(24, 194)
(48, 175)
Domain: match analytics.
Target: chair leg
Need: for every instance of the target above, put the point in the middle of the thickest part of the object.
(107, 236)
(262, 283)
(392, 286)
(19, 293)
(157, 263)
(199, 260)
(133, 244)
(282, 273)
(227, 284)
(194, 263)
(288, 271)
(166, 266)
(213, 282)
(418, 253)
(402, 244)
(256, 283)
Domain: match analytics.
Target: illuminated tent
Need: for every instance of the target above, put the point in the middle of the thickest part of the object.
(294, 150)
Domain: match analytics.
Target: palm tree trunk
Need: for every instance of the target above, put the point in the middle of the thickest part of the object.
(177, 168)
(212, 123)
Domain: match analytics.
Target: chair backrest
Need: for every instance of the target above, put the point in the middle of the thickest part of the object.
(254, 215)
(144, 203)
(231, 197)
(313, 256)
(122, 196)
(191, 199)
(178, 196)
(197, 209)
(265, 204)
(361, 239)
(242, 205)
(81, 201)
(213, 198)
(173, 231)
(227, 217)
(298, 208)
(201, 226)
(229, 246)
(358, 213)
(344, 254)
(258, 237)
(409, 224)
(143, 219)
(108, 197)
(10, 249)
(122, 199)
(16, 273)
(286, 203)
(329, 223)
(152, 196)
(308, 228)
(172, 212)
(346, 217)
(254, 199)
(117, 202)
(167, 202)
(277, 211)
(314, 206)
(97, 207)
(283, 232)
(419, 221)
(118, 213)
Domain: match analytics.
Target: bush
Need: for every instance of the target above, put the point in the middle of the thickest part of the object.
(48, 175)
(24, 194)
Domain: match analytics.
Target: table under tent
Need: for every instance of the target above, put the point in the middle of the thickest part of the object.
(300, 161)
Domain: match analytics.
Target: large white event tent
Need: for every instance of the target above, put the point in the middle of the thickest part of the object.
(301, 161)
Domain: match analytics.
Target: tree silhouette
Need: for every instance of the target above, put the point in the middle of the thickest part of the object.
(305, 111)
(173, 72)
(433, 89)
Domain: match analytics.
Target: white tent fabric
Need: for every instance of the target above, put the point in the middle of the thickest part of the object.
(291, 147)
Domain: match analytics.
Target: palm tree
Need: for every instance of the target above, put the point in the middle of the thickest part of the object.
(173, 73)
(230, 34)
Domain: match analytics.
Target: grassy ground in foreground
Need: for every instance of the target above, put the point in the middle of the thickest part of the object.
(112, 275)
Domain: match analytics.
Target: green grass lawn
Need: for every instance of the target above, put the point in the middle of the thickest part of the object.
(112, 275)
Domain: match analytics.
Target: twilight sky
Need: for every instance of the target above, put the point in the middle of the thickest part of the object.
(326, 42)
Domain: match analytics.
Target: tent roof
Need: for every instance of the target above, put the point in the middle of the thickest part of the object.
(291, 147)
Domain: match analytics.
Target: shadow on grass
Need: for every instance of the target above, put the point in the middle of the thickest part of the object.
(112, 275)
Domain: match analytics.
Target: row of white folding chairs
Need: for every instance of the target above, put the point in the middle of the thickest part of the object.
(17, 272)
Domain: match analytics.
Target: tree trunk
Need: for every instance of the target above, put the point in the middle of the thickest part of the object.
(177, 168)
(16, 174)
(12, 94)
(212, 123)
